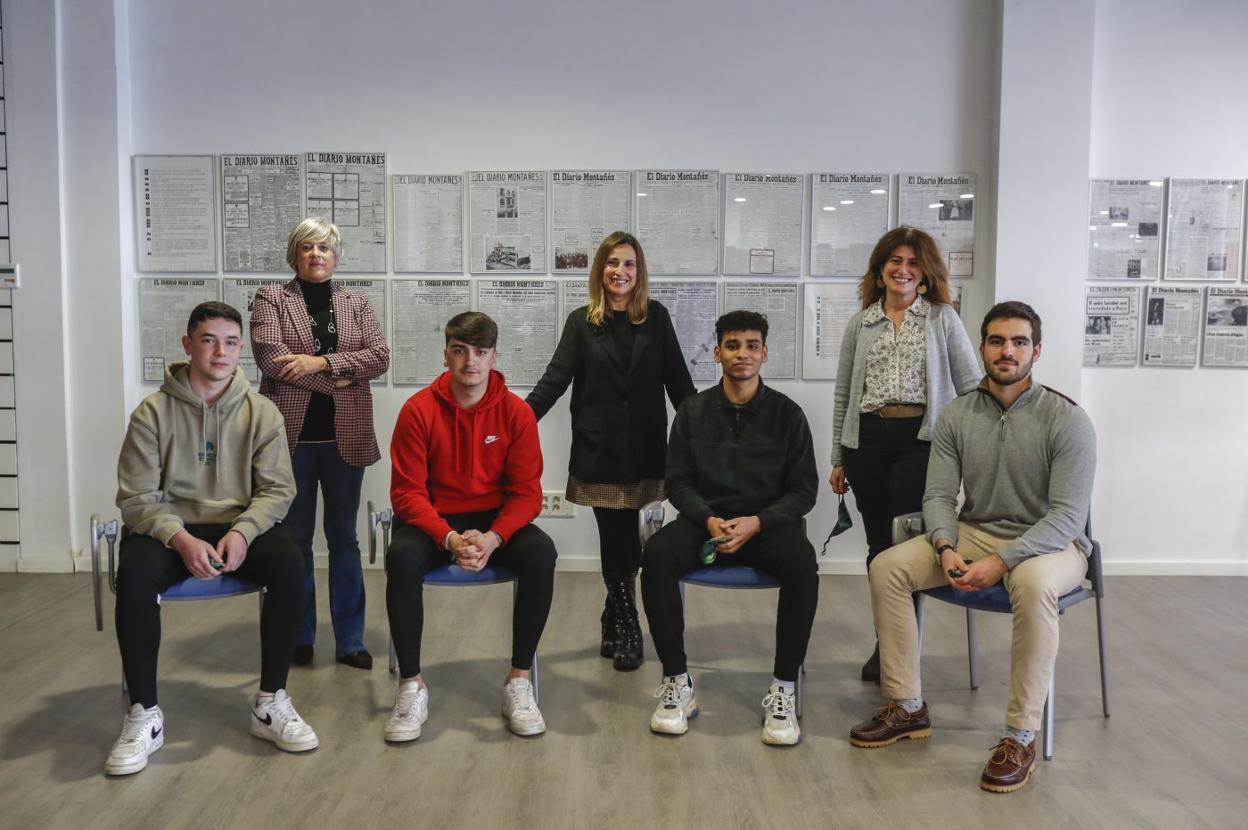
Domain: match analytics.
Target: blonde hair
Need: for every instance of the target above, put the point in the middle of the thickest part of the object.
(639, 302)
(314, 227)
(926, 251)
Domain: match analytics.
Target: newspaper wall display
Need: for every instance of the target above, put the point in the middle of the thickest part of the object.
(241, 293)
(1111, 329)
(349, 189)
(1226, 328)
(1204, 226)
(1171, 326)
(261, 201)
(575, 294)
(507, 221)
(164, 307)
(781, 304)
(428, 224)
(763, 224)
(527, 328)
(585, 207)
(1124, 218)
(175, 215)
(944, 206)
(678, 220)
(694, 308)
(421, 310)
(848, 215)
(374, 290)
(828, 307)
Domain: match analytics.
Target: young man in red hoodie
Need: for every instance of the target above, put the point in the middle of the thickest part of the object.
(465, 485)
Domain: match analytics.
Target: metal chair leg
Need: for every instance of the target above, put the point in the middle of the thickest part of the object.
(1100, 647)
(920, 613)
(1048, 719)
(972, 652)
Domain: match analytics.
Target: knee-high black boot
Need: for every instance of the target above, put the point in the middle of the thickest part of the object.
(629, 651)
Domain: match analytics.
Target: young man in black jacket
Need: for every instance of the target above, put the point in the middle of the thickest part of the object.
(740, 470)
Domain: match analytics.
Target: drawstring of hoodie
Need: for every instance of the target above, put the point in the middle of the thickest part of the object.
(203, 431)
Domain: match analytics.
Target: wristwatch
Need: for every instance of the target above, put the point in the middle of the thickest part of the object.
(946, 546)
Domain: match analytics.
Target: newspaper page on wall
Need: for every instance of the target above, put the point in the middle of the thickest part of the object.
(428, 224)
(763, 224)
(575, 293)
(1124, 217)
(1204, 226)
(164, 307)
(1172, 326)
(349, 189)
(421, 310)
(848, 215)
(694, 308)
(944, 206)
(1111, 327)
(1226, 328)
(175, 215)
(527, 328)
(585, 207)
(678, 220)
(240, 292)
(261, 202)
(507, 221)
(781, 304)
(828, 307)
(374, 290)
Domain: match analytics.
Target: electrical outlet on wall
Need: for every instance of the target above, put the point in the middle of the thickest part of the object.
(556, 505)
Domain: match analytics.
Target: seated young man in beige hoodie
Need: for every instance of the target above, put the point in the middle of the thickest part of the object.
(203, 481)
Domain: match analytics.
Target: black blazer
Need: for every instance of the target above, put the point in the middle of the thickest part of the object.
(619, 418)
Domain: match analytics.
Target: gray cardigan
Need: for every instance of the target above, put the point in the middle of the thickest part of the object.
(951, 371)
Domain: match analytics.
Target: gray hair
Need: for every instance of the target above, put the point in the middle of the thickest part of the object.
(314, 227)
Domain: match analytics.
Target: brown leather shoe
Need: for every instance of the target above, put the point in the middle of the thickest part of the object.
(1009, 767)
(890, 724)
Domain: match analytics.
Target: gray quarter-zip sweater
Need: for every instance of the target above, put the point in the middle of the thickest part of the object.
(1026, 471)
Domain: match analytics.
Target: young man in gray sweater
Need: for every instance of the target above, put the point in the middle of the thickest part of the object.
(1025, 456)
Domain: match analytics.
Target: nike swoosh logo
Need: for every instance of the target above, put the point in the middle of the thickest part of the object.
(490, 439)
(156, 732)
(267, 720)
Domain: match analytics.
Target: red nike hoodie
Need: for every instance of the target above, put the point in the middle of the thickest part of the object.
(446, 459)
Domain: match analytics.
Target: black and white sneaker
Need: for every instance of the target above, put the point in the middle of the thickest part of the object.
(142, 733)
(780, 719)
(676, 706)
(276, 720)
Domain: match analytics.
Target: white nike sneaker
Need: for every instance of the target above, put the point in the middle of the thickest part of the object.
(411, 710)
(520, 708)
(676, 707)
(142, 733)
(779, 719)
(276, 720)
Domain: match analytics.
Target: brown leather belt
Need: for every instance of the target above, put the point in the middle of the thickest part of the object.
(901, 410)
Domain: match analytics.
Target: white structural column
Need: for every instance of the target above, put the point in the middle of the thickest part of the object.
(1042, 175)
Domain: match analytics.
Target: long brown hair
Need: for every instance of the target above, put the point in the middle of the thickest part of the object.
(931, 261)
(639, 303)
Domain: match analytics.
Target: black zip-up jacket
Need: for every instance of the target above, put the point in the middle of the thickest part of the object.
(756, 459)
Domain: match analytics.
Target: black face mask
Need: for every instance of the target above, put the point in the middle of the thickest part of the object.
(843, 523)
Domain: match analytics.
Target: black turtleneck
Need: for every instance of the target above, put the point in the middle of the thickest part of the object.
(318, 423)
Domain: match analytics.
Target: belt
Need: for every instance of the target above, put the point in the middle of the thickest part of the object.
(901, 410)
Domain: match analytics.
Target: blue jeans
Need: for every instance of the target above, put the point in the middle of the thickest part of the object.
(320, 463)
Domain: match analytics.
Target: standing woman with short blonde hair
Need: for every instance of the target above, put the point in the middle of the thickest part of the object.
(318, 345)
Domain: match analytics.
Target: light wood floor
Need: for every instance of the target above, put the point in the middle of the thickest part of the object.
(1174, 754)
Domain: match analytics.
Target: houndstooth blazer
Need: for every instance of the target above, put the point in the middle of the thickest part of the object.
(280, 326)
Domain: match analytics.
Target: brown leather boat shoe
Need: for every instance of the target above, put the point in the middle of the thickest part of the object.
(890, 724)
(1009, 767)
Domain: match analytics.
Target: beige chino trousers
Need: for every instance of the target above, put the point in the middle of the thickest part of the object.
(1034, 586)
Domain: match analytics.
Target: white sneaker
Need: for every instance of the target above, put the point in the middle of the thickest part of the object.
(779, 719)
(411, 710)
(520, 708)
(142, 733)
(676, 706)
(276, 720)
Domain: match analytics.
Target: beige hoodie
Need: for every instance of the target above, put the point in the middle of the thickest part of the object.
(184, 462)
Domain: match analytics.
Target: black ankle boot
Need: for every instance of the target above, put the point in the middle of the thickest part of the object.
(607, 649)
(629, 651)
(871, 668)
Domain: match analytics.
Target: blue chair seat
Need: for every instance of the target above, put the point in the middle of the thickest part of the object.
(731, 576)
(455, 575)
(226, 585)
(997, 598)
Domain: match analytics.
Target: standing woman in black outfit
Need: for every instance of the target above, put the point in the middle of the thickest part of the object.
(619, 353)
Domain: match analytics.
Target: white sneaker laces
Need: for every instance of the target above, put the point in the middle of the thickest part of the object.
(669, 693)
(135, 729)
(522, 701)
(778, 704)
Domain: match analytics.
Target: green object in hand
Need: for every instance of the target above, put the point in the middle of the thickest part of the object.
(843, 521)
(708, 549)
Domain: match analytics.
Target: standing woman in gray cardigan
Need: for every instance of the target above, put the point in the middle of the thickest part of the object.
(620, 354)
(903, 357)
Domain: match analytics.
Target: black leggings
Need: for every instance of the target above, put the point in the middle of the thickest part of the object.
(782, 551)
(887, 472)
(529, 554)
(147, 568)
(618, 540)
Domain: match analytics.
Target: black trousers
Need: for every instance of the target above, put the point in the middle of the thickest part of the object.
(147, 568)
(618, 541)
(529, 553)
(783, 552)
(887, 472)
